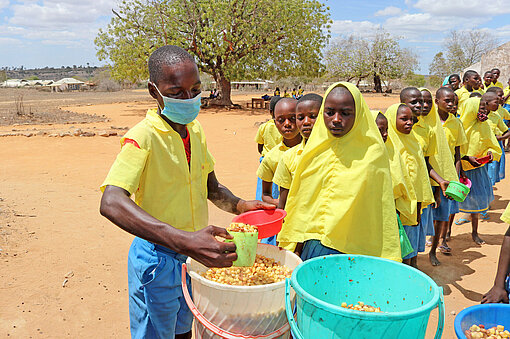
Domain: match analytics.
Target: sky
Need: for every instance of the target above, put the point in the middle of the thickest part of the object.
(39, 33)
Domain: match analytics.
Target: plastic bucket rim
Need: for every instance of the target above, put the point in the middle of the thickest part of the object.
(457, 324)
(364, 315)
(256, 288)
(279, 210)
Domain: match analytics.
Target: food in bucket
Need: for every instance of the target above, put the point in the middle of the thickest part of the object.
(479, 331)
(240, 227)
(264, 271)
(360, 306)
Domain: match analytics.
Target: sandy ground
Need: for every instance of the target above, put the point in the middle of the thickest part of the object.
(63, 266)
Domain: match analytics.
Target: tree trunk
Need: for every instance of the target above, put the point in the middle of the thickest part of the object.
(377, 83)
(225, 89)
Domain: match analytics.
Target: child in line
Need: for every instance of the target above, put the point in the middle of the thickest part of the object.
(499, 129)
(267, 137)
(341, 197)
(481, 142)
(506, 106)
(285, 120)
(495, 76)
(444, 214)
(403, 191)
(487, 80)
(452, 81)
(471, 83)
(307, 110)
(443, 163)
(500, 292)
(401, 120)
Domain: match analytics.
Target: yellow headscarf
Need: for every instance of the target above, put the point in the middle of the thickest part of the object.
(341, 193)
(403, 190)
(413, 158)
(442, 161)
(481, 140)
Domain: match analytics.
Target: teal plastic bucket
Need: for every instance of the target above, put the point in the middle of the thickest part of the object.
(405, 295)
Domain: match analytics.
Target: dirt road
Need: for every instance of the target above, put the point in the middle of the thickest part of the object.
(63, 266)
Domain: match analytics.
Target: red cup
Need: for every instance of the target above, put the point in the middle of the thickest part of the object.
(484, 160)
(268, 222)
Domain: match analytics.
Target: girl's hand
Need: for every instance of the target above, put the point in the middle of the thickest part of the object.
(472, 160)
(491, 156)
(444, 185)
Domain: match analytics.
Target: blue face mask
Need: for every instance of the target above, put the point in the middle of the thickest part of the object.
(181, 111)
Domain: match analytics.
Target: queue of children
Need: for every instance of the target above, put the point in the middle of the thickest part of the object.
(424, 142)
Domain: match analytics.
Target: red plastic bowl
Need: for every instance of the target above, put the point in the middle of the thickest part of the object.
(465, 181)
(484, 160)
(269, 222)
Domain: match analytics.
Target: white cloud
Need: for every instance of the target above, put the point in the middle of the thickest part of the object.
(4, 4)
(389, 11)
(347, 27)
(464, 8)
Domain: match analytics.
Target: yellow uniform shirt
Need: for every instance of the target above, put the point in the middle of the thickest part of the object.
(426, 138)
(455, 134)
(463, 95)
(505, 93)
(504, 113)
(287, 166)
(267, 167)
(158, 173)
(498, 84)
(497, 124)
(506, 214)
(268, 135)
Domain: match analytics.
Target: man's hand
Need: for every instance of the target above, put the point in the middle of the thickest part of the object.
(206, 249)
(252, 205)
(495, 295)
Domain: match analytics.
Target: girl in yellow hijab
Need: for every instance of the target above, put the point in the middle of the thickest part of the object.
(341, 198)
(481, 142)
(400, 121)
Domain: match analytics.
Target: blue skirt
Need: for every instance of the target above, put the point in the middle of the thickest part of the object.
(502, 162)
(497, 168)
(416, 235)
(445, 209)
(427, 221)
(481, 194)
(314, 248)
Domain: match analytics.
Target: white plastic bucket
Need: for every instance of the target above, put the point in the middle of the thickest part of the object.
(224, 311)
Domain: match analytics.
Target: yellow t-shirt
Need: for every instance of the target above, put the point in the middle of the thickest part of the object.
(287, 166)
(506, 214)
(268, 135)
(504, 113)
(498, 84)
(463, 95)
(426, 138)
(267, 167)
(497, 124)
(454, 131)
(505, 93)
(158, 173)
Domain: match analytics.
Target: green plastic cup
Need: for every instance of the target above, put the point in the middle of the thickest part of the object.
(246, 247)
(457, 191)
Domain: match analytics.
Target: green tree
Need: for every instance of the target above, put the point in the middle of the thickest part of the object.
(33, 77)
(415, 80)
(463, 49)
(439, 66)
(236, 39)
(378, 58)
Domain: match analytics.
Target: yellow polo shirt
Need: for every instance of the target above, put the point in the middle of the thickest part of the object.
(158, 173)
(497, 124)
(463, 95)
(455, 134)
(268, 135)
(426, 138)
(504, 113)
(498, 84)
(287, 166)
(267, 167)
(506, 90)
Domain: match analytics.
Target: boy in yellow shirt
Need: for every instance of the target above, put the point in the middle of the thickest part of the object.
(285, 120)
(471, 83)
(267, 137)
(495, 76)
(456, 137)
(165, 163)
(487, 80)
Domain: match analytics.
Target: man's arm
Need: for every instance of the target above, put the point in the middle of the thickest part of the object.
(224, 199)
(498, 293)
(201, 245)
